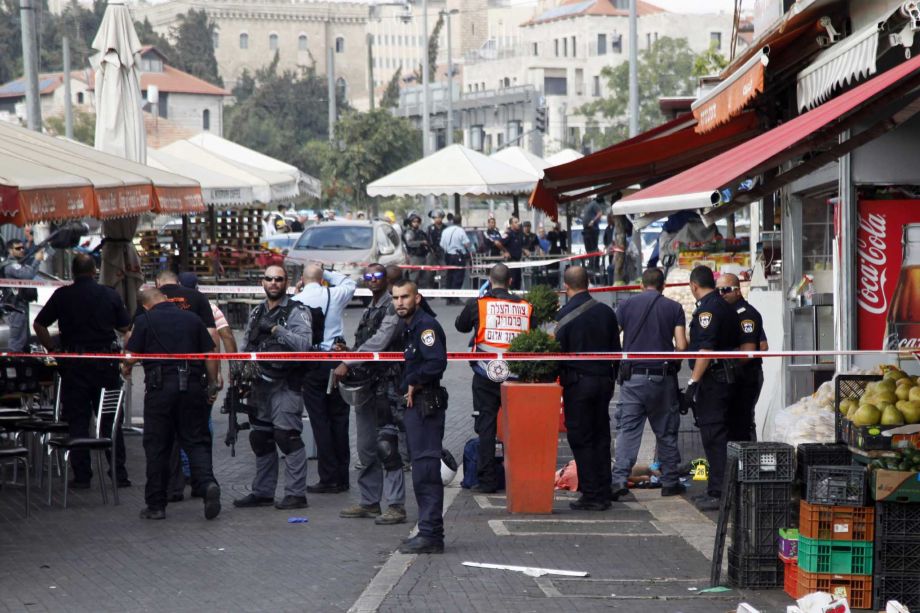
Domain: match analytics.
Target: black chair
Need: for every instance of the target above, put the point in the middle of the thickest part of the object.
(111, 402)
(42, 428)
(19, 455)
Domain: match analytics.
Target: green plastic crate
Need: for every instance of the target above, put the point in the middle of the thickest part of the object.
(835, 557)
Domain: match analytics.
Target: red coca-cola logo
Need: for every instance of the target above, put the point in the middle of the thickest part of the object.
(870, 244)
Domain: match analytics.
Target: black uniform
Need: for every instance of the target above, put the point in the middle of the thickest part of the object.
(486, 393)
(426, 361)
(187, 299)
(418, 248)
(514, 243)
(87, 315)
(587, 387)
(176, 400)
(715, 326)
(493, 235)
(741, 425)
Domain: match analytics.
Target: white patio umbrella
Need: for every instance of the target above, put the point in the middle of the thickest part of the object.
(522, 159)
(119, 131)
(563, 157)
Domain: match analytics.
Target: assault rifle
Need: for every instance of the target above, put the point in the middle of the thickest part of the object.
(233, 404)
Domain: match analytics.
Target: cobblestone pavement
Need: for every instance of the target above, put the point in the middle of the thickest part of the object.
(94, 557)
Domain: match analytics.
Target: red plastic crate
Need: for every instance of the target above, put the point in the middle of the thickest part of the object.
(791, 578)
(835, 523)
(857, 589)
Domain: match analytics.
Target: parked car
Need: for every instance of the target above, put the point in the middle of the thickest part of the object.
(348, 246)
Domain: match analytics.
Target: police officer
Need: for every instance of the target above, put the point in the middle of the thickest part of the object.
(177, 401)
(741, 424)
(328, 412)
(590, 225)
(436, 257)
(16, 301)
(426, 403)
(278, 324)
(585, 325)
(376, 412)
(418, 248)
(88, 316)
(497, 318)
(493, 237)
(713, 327)
(648, 388)
(187, 299)
(512, 246)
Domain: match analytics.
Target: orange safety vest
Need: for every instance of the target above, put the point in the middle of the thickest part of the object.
(500, 321)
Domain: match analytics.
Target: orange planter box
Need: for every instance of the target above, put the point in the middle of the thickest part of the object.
(530, 428)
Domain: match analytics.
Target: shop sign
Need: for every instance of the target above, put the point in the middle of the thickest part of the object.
(888, 274)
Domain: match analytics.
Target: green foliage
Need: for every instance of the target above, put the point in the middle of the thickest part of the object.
(84, 126)
(432, 52)
(245, 86)
(10, 45)
(710, 62)
(194, 48)
(390, 98)
(148, 36)
(545, 303)
(535, 341)
(368, 146)
(665, 69)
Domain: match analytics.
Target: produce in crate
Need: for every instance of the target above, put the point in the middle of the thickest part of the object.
(893, 401)
(907, 459)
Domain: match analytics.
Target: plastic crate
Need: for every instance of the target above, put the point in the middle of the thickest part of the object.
(857, 589)
(819, 454)
(898, 521)
(848, 386)
(898, 557)
(869, 438)
(836, 523)
(791, 579)
(754, 571)
(836, 485)
(837, 557)
(905, 588)
(763, 462)
(761, 510)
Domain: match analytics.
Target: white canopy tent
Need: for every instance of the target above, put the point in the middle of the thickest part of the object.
(563, 157)
(217, 189)
(522, 160)
(454, 170)
(267, 186)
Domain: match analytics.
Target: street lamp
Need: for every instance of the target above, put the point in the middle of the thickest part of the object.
(450, 79)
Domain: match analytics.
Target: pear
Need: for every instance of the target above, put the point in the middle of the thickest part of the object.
(869, 398)
(892, 417)
(902, 391)
(886, 385)
(904, 381)
(846, 404)
(911, 412)
(887, 397)
(895, 375)
(852, 412)
(867, 415)
(914, 393)
(870, 388)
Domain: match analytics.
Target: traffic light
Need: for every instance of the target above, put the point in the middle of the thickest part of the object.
(540, 120)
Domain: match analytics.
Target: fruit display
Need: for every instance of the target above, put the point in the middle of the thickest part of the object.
(893, 401)
(906, 458)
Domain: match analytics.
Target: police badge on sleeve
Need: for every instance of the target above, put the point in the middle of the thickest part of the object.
(428, 337)
(747, 326)
(705, 319)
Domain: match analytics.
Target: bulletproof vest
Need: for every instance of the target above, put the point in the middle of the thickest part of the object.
(12, 296)
(370, 323)
(261, 339)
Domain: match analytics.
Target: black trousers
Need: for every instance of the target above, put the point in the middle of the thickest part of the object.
(82, 382)
(329, 421)
(455, 276)
(713, 402)
(590, 237)
(515, 277)
(586, 399)
(171, 415)
(425, 435)
(487, 399)
(740, 418)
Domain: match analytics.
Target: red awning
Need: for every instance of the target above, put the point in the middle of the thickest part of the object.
(700, 186)
(657, 153)
(730, 97)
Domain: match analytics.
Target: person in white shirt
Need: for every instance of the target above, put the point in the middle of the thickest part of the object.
(456, 247)
(328, 412)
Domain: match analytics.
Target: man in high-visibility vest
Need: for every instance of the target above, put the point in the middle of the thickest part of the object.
(497, 317)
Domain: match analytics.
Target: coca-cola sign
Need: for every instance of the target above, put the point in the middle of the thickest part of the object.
(879, 255)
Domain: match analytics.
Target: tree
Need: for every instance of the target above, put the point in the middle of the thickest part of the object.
(148, 36)
(368, 146)
(432, 52)
(390, 98)
(665, 69)
(84, 126)
(709, 62)
(10, 46)
(245, 86)
(194, 47)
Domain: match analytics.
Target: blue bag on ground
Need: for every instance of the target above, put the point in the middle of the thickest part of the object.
(471, 463)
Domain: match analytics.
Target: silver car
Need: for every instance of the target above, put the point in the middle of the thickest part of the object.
(348, 246)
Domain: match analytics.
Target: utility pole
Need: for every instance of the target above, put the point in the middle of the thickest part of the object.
(330, 85)
(426, 103)
(450, 80)
(370, 70)
(633, 70)
(68, 100)
(30, 65)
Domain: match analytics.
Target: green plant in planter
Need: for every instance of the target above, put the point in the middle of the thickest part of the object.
(545, 303)
(535, 341)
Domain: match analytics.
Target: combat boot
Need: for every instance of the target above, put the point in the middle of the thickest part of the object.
(395, 514)
(360, 511)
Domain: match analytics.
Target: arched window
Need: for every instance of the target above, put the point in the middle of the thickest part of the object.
(273, 41)
(244, 40)
(340, 44)
(341, 88)
(206, 120)
(302, 42)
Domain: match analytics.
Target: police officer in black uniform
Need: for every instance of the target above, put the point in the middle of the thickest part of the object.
(426, 403)
(512, 246)
(88, 316)
(713, 327)
(178, 398)
(741, 424)
(418, 248)
(585, 325)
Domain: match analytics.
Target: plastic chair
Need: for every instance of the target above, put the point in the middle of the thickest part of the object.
(19, 455)
(111, 402)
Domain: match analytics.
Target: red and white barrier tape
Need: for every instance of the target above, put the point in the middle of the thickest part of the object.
(522, 264)
(459, 356)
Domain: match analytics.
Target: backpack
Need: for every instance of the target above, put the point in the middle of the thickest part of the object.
(471, 463)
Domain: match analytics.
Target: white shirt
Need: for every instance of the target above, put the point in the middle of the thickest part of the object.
(337, 296)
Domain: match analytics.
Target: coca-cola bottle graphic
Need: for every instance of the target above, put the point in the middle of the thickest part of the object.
(903, 329)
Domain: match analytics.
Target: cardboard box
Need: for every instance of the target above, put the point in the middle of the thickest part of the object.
(895, 486)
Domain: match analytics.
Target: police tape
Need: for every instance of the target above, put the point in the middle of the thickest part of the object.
(464, 356)
(515, 265)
